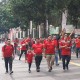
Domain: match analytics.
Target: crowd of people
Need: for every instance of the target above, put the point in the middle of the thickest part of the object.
(52, 48)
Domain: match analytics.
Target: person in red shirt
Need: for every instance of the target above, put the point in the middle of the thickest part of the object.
(28, 39)
(73, 46)
(8, 55)
(30, 42)
(60, 40)
(49, 52)
(77, 42)
(45, 40)
(23, 49)
(68, 37)
(56, 43)
(65, 47)
(29, 57)
(16, 41)
(38, 49)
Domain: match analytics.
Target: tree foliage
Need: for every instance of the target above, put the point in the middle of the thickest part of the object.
(7, 19)
(14, 13)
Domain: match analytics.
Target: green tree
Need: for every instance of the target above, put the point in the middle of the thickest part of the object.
(7, 19)
(20, 12)
(74, 12)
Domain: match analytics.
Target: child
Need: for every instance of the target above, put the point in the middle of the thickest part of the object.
(29, 57)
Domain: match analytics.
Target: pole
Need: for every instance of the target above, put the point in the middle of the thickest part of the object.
(23, 34)
(31, 28)
(47, 28)
(20, 34)
(39, 31)
(33, 32)
(28, 32)
(64, 19)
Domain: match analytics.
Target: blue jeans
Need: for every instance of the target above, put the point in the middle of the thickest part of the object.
(65, 61)
(56, 57)
(77, 51)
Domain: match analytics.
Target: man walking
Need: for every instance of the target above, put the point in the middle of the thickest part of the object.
(8, 55)
(38, 49)
(16, 42)
(77, 41)
(65, 47)
(23, 48)
(50, 52)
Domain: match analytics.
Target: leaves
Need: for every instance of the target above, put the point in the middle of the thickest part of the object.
(19, 12)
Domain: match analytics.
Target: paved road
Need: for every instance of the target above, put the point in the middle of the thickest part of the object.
(20, 69)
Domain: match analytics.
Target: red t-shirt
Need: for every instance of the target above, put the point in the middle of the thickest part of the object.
(38, 48)
(29, 57)
(23, 47)
(61, 39)
(65, 51)
(16, 42)
(77, 41)
(68, 38)
(7, 50)
(55, 42)
(45, 40)
(59, 42)
(28, 40)
(49, 47)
